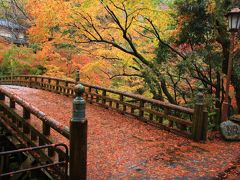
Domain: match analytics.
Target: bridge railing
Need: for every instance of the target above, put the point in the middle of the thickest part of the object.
(168, 116)
(34, 128)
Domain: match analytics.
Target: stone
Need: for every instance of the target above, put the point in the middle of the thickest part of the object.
(235, 119)
(230, 130)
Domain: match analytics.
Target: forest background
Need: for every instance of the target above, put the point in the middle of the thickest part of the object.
(164, 49)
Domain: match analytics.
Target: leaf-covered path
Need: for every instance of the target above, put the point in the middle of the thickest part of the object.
(122, 147)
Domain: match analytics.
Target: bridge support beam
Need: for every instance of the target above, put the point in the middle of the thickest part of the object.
(78, 137)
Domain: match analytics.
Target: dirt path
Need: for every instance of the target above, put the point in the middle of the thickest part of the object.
(122, 147)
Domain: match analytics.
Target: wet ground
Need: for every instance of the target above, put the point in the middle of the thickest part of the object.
(122, 147)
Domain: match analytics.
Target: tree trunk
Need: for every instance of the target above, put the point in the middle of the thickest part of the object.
(236, 84)
(167, 93)
(218, 92)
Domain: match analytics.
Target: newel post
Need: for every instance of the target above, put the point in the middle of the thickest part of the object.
(78, 137)
(200, 119)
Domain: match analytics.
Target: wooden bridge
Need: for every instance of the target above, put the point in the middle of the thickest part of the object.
(112, 152)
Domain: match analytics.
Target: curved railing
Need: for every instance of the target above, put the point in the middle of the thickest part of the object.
(33, 128)
(168, 116)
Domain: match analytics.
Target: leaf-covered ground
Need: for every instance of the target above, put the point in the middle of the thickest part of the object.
(122, 147)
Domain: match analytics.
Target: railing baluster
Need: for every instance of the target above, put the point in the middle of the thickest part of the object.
(66, 91)
(57, 86)
(25, 81)
(49, 84)
(166, 112)
(141, 107)
(60, 87)
(97, 97)
(45, 129)
(26, 117)
(33, 136)
(30, 82)
(41, 141)
(42, 85)
(35, 82)
(132, 110)
(122, 102)
(110, 103)
(12, 104)
(117, 103)
(104, 94)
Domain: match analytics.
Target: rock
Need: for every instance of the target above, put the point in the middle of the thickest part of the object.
(235, 119)
(230, 130)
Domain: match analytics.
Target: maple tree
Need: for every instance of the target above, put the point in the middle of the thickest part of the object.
(169, 52)
(15, 11)
(127, 33)
(148, 47)
(19, 60)
(204, 31)
(146, 52)
(58, 28)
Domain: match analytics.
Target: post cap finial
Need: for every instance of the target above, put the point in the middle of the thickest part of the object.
(79, 90)
(200, 97)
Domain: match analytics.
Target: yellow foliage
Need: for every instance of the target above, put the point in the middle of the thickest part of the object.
(74, 22)
(54, 71)
(47, 14)
(211, 6)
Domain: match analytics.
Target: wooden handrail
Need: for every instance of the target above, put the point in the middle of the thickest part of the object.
(126, 94)
(54, 124)
(77, 134)
(169, 116)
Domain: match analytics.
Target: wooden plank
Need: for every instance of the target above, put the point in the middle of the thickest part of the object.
(180, 120)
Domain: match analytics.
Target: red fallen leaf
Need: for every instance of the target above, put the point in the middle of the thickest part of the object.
(113, 146)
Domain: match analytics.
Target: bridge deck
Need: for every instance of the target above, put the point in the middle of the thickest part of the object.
(122, 147)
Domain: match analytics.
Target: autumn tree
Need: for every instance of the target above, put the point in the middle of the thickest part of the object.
(171, 51)
(15, 11)
(204, 31)
(135, 30)
(19, 60)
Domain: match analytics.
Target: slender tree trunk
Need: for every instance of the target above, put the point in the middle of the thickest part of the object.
(236, 84)
(154, 86)
(167, 93)
(218, 92)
